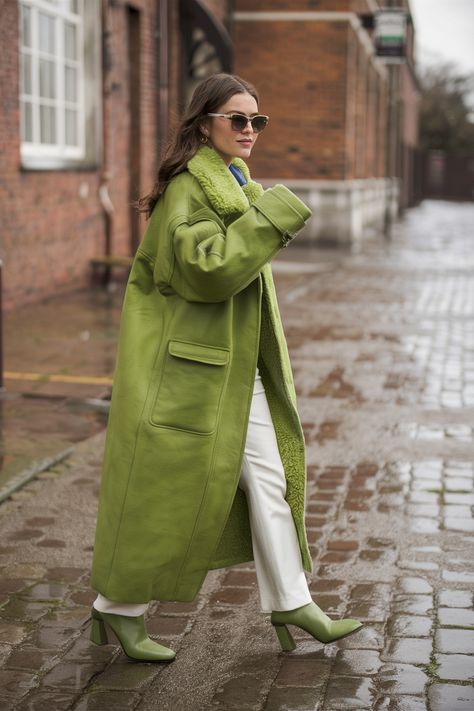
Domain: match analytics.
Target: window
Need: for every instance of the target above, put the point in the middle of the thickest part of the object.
(54, 69)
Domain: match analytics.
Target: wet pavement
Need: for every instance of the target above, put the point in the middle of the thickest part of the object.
(58, 365)
(382, 347)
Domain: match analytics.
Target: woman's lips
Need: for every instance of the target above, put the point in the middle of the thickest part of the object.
(245, 142)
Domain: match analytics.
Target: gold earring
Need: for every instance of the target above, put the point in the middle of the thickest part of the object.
(203, 138)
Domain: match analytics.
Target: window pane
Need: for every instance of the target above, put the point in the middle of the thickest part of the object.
(26, 121)
(46, 33)
(25, 74)
(70, 40)
(70, 83)
(71, 127)
(46, 79)
(47, 124)
(25, 26)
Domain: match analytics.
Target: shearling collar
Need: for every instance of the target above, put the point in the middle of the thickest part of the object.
(224, 193)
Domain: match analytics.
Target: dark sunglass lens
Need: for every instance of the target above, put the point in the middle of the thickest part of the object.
(238, 122)
(259, 123)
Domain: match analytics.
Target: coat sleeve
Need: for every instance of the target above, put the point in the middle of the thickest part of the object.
(212, 265)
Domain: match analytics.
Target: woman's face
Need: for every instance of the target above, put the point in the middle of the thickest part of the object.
(227, 142)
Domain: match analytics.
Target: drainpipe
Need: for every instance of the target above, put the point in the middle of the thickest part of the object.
(163, 76)
(104, 196)
(1, 328)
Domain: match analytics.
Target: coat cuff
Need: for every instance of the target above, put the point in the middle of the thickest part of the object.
(284, 210)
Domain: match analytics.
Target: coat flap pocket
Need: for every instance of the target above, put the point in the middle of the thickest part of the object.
(195, 351)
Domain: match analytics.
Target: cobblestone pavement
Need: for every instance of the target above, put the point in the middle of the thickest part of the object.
(382, 345)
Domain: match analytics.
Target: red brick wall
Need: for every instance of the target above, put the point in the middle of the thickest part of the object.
(47, 230)
(299, 69)
(322, 90)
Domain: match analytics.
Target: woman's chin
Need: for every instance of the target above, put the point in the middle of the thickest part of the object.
(244, 151)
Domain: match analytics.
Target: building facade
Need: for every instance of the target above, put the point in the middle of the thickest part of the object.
(91, 92)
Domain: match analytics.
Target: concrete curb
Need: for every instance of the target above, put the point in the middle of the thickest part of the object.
(26, 475)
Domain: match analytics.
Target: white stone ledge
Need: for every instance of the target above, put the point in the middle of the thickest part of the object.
(344, 211)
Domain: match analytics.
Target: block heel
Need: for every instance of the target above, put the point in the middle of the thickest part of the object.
(313, 620)
(287, 642)
(98, 632)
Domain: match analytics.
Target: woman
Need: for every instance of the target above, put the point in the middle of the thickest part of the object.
(204, 462)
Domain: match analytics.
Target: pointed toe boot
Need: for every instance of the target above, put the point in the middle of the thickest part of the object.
(314, 621)
(131, 634)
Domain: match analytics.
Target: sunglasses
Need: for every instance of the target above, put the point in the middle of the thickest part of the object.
(239, 122)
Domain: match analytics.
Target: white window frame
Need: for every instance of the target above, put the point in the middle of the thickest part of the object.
(58, 154)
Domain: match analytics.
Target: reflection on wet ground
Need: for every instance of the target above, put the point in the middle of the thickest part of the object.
(59, 361)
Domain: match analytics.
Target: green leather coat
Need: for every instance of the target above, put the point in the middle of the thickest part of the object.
(199, 313)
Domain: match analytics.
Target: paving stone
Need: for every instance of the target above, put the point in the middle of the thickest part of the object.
(456, 617)
(72, 675)
(455, 666)
(420, 524)
(5, 651)
(44, 637)
(23, 610)
(302, 672)
(49, 699)
(451, 696)
(409, 626)
(417, 565)
(12, 633)
(329, 585)
(353, 662)
(414, 586)
(26, 570)
(240, 578)
(127, 675)
(410, 651)
(66, 574)
(401, 679)
(167, 626)
(331, 604)
(15, 683)
(459, 524)
(84, 650)
(179, 608)
(108, 701)
(240, 692)
(412, 604)
(455, 598)
(458, 576)
(12, 585)
(366, 612)
(231, 596)
(453, 641)
(83, 597)
(369, 637)
(342, 545)
(46, 591)
(348, 692)
(291, 699)
(374, 592)
(400, 703)
(29, 658)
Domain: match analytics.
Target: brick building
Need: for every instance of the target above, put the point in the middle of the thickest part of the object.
(91, 90)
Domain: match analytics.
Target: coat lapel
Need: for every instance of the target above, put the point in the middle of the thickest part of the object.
(224, 193)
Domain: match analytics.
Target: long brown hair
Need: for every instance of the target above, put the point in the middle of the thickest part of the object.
(208, 97)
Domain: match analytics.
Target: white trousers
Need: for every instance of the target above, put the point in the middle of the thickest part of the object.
(281, 579)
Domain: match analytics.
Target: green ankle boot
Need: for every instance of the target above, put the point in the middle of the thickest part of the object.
(313, 620)
(131, 634)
